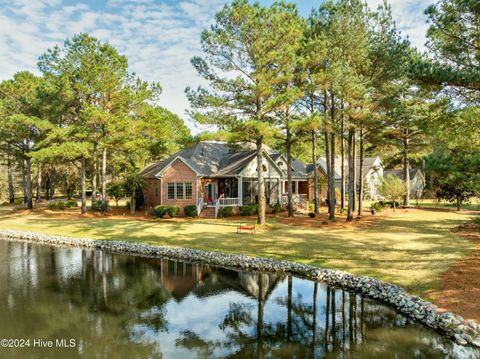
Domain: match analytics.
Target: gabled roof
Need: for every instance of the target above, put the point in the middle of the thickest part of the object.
(399, 173)
(218, 159)
(368, 164)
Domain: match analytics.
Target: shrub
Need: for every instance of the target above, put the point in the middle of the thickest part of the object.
(56, 205)
(127, 204)
(97, 205)
(324, 222)
(276, 208)
(377, 206)
(389, 203)
(18, 201)
(160, 211)
(71, 203)
(225, 212)
(173, 211)
(52, 205)
(248, 210)
(4, 204)
(190, 211)
(312, 215)
(19, 207)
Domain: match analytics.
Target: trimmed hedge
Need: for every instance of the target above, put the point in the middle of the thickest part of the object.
(190, 211)
(57, 205)
(160, 211)
(97, 205)
(71, 203)
(248, 210)
(173, 211)
(225, 212)
(389, 203)
(276, 208)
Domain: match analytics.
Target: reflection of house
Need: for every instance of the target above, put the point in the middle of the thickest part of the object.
(215, 174)
(182, 278)
(372, 171)
(417, 180)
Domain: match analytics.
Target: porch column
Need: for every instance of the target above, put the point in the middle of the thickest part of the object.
(296, 188)
(240, 188)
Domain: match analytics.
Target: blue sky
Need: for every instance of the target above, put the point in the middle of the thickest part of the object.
(159, 37)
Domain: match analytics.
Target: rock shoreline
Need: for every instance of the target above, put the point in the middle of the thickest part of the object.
(448, 324)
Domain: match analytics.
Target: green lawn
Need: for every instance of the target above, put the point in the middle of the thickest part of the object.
(410, 248)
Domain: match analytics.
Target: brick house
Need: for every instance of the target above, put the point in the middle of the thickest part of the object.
(215, 174)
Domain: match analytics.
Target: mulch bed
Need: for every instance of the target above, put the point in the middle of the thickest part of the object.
(461, 284)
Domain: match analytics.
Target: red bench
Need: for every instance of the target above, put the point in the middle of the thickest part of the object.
(243, 227)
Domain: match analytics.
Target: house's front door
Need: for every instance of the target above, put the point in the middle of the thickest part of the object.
(211, 192)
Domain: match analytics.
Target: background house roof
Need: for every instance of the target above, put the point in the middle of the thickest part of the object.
(399, 173)
(214, 158)
(368, 164)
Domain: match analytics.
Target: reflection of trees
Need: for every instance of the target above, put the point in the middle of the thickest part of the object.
(118, 306)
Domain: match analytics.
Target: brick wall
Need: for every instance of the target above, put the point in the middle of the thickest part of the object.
(152, 192)
(179, 172)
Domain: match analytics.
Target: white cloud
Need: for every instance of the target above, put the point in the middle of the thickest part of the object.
(158, 38)
(409, 17)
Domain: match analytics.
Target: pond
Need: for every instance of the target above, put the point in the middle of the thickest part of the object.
(95, 304)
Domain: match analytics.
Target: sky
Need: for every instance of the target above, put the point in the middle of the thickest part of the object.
(159, 37)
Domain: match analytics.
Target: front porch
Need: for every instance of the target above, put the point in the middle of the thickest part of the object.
(239, 191)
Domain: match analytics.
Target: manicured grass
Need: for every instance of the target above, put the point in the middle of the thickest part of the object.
(410, 248)
(473, 204)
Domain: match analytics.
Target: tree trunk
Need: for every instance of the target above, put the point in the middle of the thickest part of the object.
(53, 182)
(24, 183)
(342, 168)
(39, 183)
(327, 167)
(289, 173)
(11, 190)
(332, 196)
(459, 203)
(315, 174)
(333, 199)
(28, 183)
(360, 175)
(261, 183)
(406, 169)
(83, 185)
(133, 203)
(104, 180)
(351, 174)
(94, 175)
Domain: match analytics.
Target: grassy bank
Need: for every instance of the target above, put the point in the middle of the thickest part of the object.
(410, 248)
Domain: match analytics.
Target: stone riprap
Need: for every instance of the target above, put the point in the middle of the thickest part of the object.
(448, 324)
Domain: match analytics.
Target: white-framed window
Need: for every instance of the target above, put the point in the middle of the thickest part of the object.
(171, 190)
(188, 190)
(180, 190)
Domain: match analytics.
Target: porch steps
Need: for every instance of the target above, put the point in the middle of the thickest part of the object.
(208, 212)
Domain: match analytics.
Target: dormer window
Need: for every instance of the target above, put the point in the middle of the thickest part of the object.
(280, 164)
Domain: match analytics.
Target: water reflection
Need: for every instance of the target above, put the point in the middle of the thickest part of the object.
(130, 307)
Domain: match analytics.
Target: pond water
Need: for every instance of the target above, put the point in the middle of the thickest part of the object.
(117, 306)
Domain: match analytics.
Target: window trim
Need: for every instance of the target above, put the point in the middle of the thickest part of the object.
(168, 190)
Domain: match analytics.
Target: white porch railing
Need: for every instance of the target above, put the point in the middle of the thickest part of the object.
(229, 202)
(200, 205)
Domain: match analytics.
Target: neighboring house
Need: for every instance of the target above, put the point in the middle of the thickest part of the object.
(417, 181)
(372, 171)
(214, 174)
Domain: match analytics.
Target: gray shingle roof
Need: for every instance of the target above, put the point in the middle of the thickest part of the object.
(399, 173)
(218, 159)
(368, 163)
